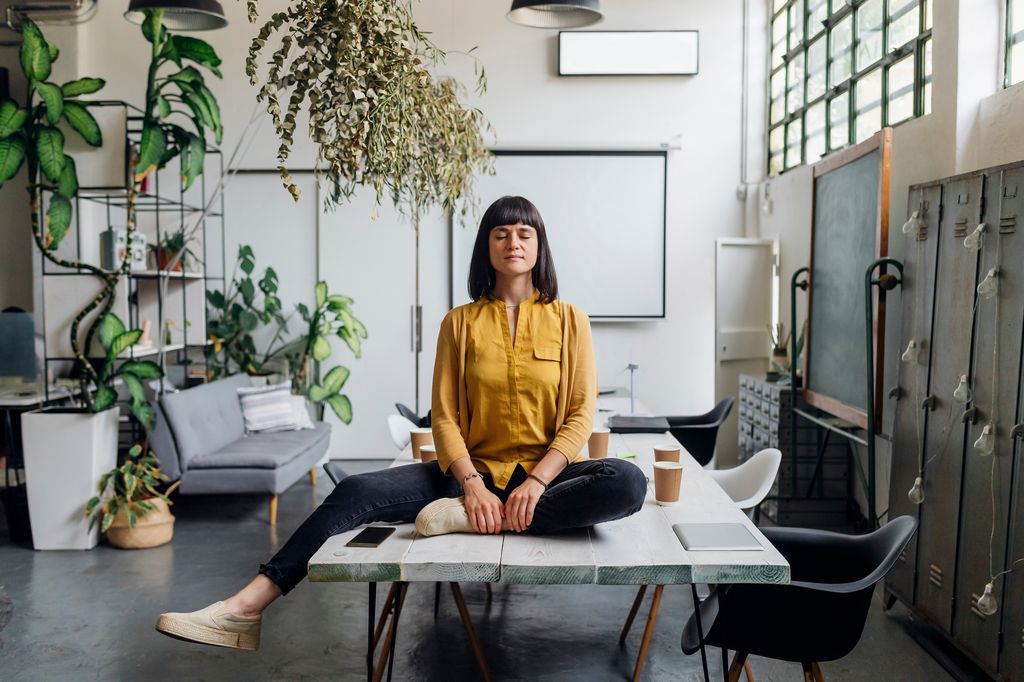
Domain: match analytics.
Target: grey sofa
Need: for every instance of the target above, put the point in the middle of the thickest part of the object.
(200, 439)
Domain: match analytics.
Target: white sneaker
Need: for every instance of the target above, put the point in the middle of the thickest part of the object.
(443, 516)
(214, 625)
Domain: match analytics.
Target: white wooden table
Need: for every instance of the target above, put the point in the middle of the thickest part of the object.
(641, 549)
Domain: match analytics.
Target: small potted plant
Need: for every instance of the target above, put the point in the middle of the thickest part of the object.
(129, 508)
(171, 245)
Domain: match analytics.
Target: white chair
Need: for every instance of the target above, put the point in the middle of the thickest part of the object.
(750, 482)
(400, 429)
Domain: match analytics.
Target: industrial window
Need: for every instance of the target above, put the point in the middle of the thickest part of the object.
(1014, 42)
(842, 69)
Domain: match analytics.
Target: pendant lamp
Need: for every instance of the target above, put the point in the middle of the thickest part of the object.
(555, 13)
(181, 15)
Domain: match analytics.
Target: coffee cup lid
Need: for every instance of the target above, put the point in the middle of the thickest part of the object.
(668, 465)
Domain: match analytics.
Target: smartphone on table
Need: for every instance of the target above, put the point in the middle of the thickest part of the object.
(371, 536)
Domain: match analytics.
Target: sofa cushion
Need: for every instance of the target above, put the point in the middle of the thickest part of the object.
(263, 450)
(205, 418)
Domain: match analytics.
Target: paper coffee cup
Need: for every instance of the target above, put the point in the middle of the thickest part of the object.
(668, 478)
(428, 453)
(666, 453)
(597, 446)
(420, 437)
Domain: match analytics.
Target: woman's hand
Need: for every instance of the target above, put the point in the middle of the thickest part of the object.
(483, 507)
(521, 503)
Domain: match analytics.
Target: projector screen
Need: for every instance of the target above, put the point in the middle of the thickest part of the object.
(605, 217)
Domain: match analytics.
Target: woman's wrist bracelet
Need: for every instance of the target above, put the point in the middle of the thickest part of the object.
(538, 479)
(465, 479)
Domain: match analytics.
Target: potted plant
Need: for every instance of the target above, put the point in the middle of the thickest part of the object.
(63, 448)
(129, 508)
(173, 253)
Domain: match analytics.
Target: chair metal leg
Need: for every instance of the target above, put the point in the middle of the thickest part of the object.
(467, 623)
(487, 587)
(312, 476)
(273, 510)
(645, 643)
(632, 613)
(437, 598)
(725, 664)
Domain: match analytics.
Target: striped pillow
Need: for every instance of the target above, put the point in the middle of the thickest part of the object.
(267, 409)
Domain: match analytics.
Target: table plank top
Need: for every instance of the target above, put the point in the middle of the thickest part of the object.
(641, 549)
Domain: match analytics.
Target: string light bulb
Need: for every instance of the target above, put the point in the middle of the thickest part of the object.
(912, 353)
(963, 394)
(987, 603)
(989, 286)
(986, 443)
(916, 494)
(913, 224)
(973, 240)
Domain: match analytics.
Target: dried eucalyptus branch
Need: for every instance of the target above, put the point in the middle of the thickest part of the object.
(361, 70)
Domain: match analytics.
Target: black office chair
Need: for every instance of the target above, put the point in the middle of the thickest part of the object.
(421, 422)
(819, 616)
(699, 433)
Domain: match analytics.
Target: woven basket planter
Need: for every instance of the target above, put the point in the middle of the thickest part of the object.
(151, 530)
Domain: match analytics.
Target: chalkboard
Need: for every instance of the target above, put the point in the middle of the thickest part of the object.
(849, 231)
(604, 212)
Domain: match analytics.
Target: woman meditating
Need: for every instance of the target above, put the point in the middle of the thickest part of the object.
(512, 405)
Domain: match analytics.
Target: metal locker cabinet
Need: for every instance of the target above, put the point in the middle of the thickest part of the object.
(944, 434)
(920, 250)
(1011, 586)
(987, 479)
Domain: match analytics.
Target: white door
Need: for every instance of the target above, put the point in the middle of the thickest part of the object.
(368, 252)
(746, 305)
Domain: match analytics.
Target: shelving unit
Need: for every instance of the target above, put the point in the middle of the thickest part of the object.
(173, 302)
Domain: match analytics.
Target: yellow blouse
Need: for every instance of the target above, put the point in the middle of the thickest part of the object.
(505, 404)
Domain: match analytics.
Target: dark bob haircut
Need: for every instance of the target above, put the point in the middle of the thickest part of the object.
(511, 211)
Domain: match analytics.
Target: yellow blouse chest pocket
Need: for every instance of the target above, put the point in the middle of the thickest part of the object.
(547, 353)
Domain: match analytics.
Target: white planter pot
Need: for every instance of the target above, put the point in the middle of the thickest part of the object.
(66, 453)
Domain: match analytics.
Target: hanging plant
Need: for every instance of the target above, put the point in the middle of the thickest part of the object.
(361, 70)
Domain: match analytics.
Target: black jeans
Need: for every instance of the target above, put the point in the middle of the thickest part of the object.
(585, 493)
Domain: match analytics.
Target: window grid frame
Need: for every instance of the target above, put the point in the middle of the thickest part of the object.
(844, 8)
(1012, 40)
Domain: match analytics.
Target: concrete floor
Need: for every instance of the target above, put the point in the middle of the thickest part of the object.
(90, 615)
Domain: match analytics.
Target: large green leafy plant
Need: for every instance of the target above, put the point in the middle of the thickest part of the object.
(30, 135)
(177, 101)
(248, 305)
(238, 312)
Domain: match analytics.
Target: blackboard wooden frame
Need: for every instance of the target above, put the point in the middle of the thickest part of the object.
(881, 142)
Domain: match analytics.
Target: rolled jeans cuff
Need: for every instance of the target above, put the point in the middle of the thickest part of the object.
(276, 577)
